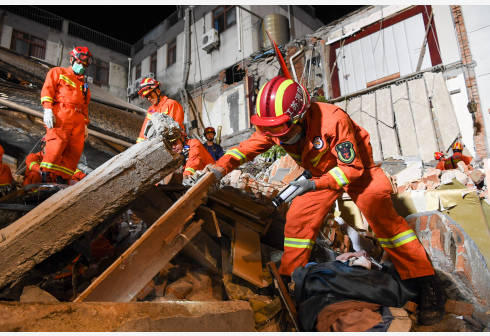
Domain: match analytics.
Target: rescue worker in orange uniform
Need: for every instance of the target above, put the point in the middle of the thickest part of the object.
(150, 89)
(77, 177)
(6, 179)
(196, 156)
(32, 174)
(439, 156)
(65, 97)
(452, 161)
(323, 139)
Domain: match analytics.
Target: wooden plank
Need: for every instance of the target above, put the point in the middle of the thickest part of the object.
(204, 251)
(443, 111)
(242, 203)
(211, 225)
(386, 123)
(247, 260)
(368, 118)
(151, 205)
(404, 120)
(422, 116)
(384, 79)
(226, 213)
(149, 254)
(77, 210)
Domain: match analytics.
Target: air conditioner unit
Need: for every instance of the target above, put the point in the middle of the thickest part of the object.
(210, 40)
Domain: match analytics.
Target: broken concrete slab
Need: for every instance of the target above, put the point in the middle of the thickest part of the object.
(455, 257)
(223, 316)
(77, 210)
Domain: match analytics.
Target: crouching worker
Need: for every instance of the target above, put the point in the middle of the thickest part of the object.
(323, 139)
(6, 179)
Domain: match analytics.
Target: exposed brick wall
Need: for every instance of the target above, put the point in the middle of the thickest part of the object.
(470, 79)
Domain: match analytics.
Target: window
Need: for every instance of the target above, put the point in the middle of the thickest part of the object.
(153, 63)
(224, 17)
(28, 45)
(137, 73)
(172, 53)
(99, 71)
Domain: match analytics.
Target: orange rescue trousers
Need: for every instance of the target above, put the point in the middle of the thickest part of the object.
(371, 194)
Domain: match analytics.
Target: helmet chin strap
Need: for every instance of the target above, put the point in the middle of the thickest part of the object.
(294, 139)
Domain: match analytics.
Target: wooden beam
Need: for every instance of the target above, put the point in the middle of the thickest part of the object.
(211, 225)
(204, 251)
(149, 254)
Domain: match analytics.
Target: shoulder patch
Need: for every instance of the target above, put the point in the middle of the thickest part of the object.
(345, 152)
(317, 142)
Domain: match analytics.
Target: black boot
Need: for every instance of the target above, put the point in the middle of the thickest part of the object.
(60, 180)
(432, 299)
(45, 177)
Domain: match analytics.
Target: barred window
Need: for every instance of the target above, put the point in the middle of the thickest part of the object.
(28, 45)
(99, 71)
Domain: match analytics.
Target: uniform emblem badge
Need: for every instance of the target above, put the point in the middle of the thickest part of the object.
(317, 142)
(345, 152)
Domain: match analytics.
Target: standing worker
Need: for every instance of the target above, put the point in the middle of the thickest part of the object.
(65, 97)
(323, 139)
(150, 89)
(213, 148)
(6, 179)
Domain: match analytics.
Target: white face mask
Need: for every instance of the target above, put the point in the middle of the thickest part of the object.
(293, 140)
(78, 68)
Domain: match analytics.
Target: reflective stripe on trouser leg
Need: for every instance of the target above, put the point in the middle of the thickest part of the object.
(372, 196)
(303, 221)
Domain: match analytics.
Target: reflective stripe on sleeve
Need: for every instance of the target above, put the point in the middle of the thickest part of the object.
(46, 99)
(237, 154)
(33, 163)
(339, 176)
(299, 243)
(192, 170)
(398, 240)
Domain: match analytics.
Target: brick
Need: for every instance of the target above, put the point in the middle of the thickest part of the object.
(410, 306)
(459, 307)
(434, 219)
(435, 240)
(423, 223)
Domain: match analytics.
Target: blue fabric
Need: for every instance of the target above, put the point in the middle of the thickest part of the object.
(215, 150)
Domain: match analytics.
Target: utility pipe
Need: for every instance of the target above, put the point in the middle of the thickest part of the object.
(37, 114)
(239, 29)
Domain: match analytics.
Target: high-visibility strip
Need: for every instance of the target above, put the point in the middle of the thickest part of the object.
(68, 80)
(237, 154)
(148, 115)
(192, 170)
(339, 176)
(46, 98)
(55, 167)
(398, 240)
(5, 184)
(166, 111)
(280, 95)
(257, 109)
(317, 158)
(299, 243)
(140, 140)
(33, 163)
(77, 171)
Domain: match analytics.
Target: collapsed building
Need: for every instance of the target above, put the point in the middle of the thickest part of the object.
(115, 252)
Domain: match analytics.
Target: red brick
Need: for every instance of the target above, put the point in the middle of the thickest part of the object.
(461, 249)
(423, 223)
(412, 222)
(410, 306)
(434, 219)
(435, 240)
(459, 307)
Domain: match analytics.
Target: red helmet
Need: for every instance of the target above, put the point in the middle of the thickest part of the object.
(1, 153)
(209, 130)
(280, 103)
(81, 54)
(457, 146)
(147, 85)
(438, 155)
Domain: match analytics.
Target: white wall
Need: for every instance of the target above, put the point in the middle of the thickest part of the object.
(446, 34)
(6, 36)
(478, 30)
(52, 52)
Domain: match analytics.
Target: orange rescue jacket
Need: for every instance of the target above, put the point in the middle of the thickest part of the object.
(6, 178)
(333, 147)
(168, 106)
(63, 86)
(198, 158)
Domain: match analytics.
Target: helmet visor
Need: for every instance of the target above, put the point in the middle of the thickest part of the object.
(275, 131)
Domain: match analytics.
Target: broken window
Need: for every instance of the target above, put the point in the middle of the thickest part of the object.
(224, 17)
(172, 53)
(153, 63)
(28, 45)
(234, 74)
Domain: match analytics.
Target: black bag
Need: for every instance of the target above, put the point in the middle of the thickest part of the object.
(318, 285)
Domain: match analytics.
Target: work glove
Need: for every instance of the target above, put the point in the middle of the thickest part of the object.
(49, 118)
(303, 187)
(190, 180)
(216, 170)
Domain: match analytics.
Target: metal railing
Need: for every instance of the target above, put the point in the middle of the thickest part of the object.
(37, 14)
(96, 37)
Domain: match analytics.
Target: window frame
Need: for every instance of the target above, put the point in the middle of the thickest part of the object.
(226, 9)
(40, 44)
(153, 63)
(171, 53)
